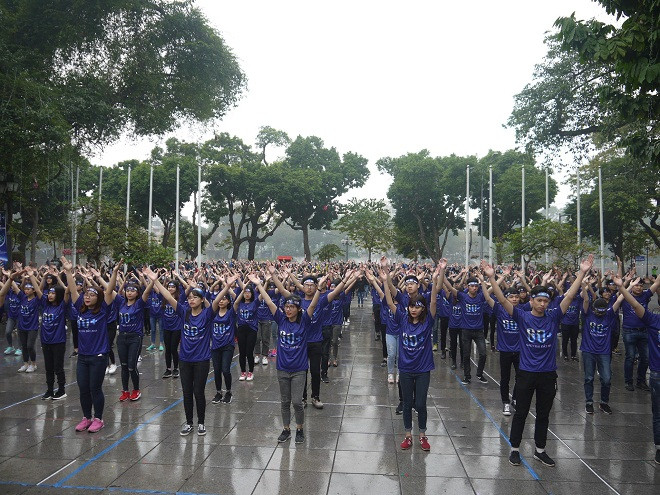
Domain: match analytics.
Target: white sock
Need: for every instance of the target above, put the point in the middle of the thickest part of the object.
(540, 451)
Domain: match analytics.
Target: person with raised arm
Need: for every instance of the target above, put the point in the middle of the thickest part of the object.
(222, 340)
(415, 351)
(652, 324)
(538, 363)
(294, 324)
(90, 311)
(28, 322)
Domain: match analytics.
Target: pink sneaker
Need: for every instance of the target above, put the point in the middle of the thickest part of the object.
(84, 424)
(250, 377)
(96, 425)
(243, 376)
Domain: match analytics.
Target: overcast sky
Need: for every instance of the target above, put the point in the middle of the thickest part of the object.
(380, 78)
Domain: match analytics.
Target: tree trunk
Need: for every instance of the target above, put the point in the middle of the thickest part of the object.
(305, 231)
(369, 253)
(33, 236)
(234, 253)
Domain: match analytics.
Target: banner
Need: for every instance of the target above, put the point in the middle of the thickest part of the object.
(4, 255)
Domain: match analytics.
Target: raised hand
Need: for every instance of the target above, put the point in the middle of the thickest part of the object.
(487, 269)
(66, 264)
(586, 264)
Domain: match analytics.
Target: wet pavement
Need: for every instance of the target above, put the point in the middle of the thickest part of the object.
(351, 446)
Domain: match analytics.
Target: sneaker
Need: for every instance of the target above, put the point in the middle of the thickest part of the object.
(348, 321)
(616, 351)
(453, 365)
(135, 395)
(435, 347)
(640, 385)
(603, 406)
(565, 358)
(300, 436)
(407, 443)
(18, 352)
(124, 396)
(589, 408)
(334, 364)
(96, 425)
(257, 359)
(249, 377)
(304, 401)
(107, 370)
(390, 378)
(201, 430)
(227, 398)
(139, 359)
(316, 402)
(629, 387)
(657, 456)
(492, 348)
(217, 399)
(514, 458)
(443, 354)
(487, 341)
(242, 377)
(73, 354)
(482, 379)
(575, 358)
(397, 378)
(151, 347)
(383, 363)
(112, 369)
(264, 361)
(544, 458)
(424, 442)
(161, 348)
(23, 368)
(32, 367)
(60, 394)
(377, 337)
(167, 374)
(9, 350)
(325, 379)
(399, 409)
(506, 409)
(47, 395)
(175, 373)
(284, 436)
(465, 381)
(84, 424)
(186, 430)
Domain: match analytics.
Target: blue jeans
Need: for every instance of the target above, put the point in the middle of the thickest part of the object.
(392, 353)
(604, 363)
(90, 373)
(419, 383)
(654, 383)
(222, 366)
(635, 339)
(155, 323)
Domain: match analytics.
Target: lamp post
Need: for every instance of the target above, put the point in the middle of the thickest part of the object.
(346, 242)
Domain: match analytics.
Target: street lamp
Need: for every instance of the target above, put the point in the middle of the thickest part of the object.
(346, 242)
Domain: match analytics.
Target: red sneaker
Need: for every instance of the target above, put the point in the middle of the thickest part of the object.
(135, 395)
(124, 396)
(424, 442)
(407, 443)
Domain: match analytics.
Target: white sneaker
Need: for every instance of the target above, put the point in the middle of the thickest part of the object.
(506, 409)
(107, 370)
(390, 378)
(257, 359)
(264, 361)
(112, 369)
(23, 368)
(31, 368)
(397, 378)
(139, 358)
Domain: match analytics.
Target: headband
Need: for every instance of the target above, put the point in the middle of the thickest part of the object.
(92, 289)
(541, 294)
(291, 300)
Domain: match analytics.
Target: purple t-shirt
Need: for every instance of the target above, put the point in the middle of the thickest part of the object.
(387, 317)
(131, 318)
(196, 334)
(472, 309)
(247, 314)
(652, 324)
(292, 342)
(155, 302)
(92, 328)
(538, 339)
(224, 329)
(597, 332)
(13, 304)
(508, 333)
(572, 315)
(53, 322)
(315, 333)
(415, 344)
(28, 318)
(630, 319)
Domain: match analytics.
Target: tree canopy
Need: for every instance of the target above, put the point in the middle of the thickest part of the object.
(367, 223)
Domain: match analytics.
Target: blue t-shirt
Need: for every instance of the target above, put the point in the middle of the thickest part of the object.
(247, 314)
(538, 339)
(292, 342)
(597, 332)
(333, 313)
(131, 318)
(171, 320)
(652, 324)
(13, 304)
(28, 319)
(630, 319)
(155, 303)
(508, 334)
(53, 322)
(415, 344)
(456, 316)
(572, 315)
(224, 329)
(196, 334)
(472, 309)
(263, 311)
(443, 305)
(387, 317)
(92, 328)
(315, 333)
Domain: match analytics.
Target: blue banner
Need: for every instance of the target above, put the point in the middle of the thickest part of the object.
(4, 237)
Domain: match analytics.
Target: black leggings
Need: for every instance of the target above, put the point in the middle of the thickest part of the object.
(314, 356)
(112, 333)
(74, 333)
(54, 364)
(246, 340)
(128, 348)
(193, 382)
(222, 366)
(569, 332)
(172, 339)
(28, 339)
(454, 337)
(490, 324)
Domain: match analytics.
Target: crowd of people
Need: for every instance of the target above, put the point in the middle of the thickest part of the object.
(296, 311)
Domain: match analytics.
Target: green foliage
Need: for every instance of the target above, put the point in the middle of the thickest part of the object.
(329, 252)
(367, 223)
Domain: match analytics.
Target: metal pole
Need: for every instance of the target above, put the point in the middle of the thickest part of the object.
(522, 224)
(128, 198)
(579, 235)
(600, 213)
(176, 223)
(74, 199)
(98, 217)
(547, 204)
(467, 216)
(151, 200)
(199, 216)
(490, 214)
(481, 220)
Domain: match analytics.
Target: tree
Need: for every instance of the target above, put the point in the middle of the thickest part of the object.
(311, 178)
(329, 252)
(428, 195)
(367, 223)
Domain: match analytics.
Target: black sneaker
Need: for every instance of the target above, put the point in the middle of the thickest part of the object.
(399, 409)
(605, 408)
(565, 358)
(227, 398)
(377, 338)
(175, 373)
(465, 381)
(443, 354)
(383, 363)
(453, 365)
(304, 402)
(589, 408)
(284, 436)
(629, 387)
(201, 430)
(186, 430)
(643, 386)
(514, 458)
(47, 395)
(575, 358)
(657, 456)
(74, 354)
(60, 394)
(167, 374)
(544, 458)
(325, 379)
(300, 436)
(217, 399)
(482, 379)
